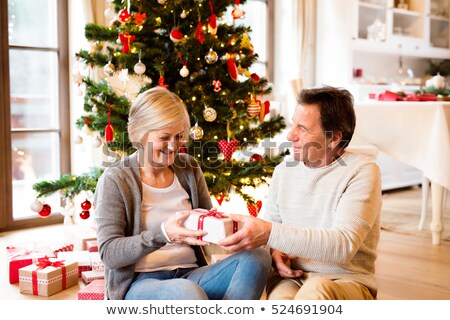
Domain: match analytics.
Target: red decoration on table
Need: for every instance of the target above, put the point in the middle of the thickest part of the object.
(46, 211)
(394, 96)
(109, 130)
(253, 209)
(228, 148)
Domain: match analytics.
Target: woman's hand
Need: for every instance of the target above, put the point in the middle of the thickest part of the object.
(282, 262)
(177, 233)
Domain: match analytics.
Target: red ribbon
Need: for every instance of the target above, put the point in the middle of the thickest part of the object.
(44, 263)
(212, 213)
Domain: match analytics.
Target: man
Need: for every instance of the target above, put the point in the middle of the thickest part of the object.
(323, 209)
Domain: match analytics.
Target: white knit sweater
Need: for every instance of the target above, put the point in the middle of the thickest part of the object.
(329, 217)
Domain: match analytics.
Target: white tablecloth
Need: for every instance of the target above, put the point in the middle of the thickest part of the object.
(416, 133)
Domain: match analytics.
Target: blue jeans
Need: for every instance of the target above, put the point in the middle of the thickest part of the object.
(241, 276)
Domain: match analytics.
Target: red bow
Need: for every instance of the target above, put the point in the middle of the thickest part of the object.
(45, 262)
(211, 213)
(42, 264)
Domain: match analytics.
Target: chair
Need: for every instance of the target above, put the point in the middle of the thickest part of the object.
(425, 196)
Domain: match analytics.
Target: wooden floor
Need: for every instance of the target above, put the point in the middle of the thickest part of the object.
(408, 267)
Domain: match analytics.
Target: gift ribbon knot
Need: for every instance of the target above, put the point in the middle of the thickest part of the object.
(215, 214)
(44, 263)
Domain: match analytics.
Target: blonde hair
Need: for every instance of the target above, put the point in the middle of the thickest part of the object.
(156, 109)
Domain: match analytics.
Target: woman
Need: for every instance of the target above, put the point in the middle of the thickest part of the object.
(147, 252)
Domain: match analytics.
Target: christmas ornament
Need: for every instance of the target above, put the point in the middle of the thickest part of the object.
(256, 158)
(139, 68)
(264, 110)
(109, 13)
(45, 212)
(209, 114)
(94, 109)
(109, 130)
(161, 81)
(109, 69)
(253, 109)
(220, 198)
(126, 39)
(123, 76)
(96, 142)
(228, 148)
(86, 130)
(124, 15)
(85, 215)
(211, 57)
(36, 206)
(196, 132)
(183, 14)
(162, 1)
(246, 42)
(232, 69)
(199, 33)
(212, 22)
(139, 18)
(217, 85)
(176, 35)
(255, 77)
(237, 12)
(254, 209)
(86, 205)
(184, 72)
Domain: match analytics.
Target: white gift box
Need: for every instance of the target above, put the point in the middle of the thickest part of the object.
(217, 225)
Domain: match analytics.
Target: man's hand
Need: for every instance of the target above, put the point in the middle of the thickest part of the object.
(282, 262)
(253, 233)
(177, 233)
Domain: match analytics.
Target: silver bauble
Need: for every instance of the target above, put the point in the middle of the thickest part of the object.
(209, 114)
(36, 206)
(96, 142)
(183, 14)
(109, 69)
(139, 68)
(196, 132)
(211, 57)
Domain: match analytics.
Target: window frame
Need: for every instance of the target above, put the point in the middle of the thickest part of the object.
(6, 213)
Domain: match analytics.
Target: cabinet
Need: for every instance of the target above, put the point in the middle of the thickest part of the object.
(418, 28)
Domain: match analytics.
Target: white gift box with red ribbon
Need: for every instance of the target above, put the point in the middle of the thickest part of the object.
(217, 224)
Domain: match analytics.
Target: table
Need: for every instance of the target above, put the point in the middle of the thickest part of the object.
(415, 133)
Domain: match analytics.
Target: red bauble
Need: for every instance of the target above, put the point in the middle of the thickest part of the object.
(85, 214)
(256, 158)
(232, 69)
(176, 35)
(109, 133)
(86, 205)
(124, 15)
(46, 210)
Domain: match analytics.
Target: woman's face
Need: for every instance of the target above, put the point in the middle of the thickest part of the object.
(161, 146)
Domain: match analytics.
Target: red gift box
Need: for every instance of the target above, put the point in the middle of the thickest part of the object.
(93, 291)
(92, 245)
(19, 257)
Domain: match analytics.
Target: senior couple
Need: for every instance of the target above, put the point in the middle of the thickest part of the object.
(318, 237)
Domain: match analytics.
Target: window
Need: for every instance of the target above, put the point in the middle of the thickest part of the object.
(34, 94)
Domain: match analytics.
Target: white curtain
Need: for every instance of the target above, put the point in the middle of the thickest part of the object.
(294, 56)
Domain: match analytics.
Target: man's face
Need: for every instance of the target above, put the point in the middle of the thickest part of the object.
(308, 138)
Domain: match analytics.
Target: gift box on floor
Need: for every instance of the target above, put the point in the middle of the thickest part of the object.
(93, 291)
(19, 257)
(47, 277)
(79, 235)
(89, 276)
(92, 245)
(82, 258)
(215, 223)
(96, 262)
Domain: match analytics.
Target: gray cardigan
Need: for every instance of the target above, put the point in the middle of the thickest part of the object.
(118, 197)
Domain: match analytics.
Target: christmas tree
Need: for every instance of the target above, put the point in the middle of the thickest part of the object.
(186, 46)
